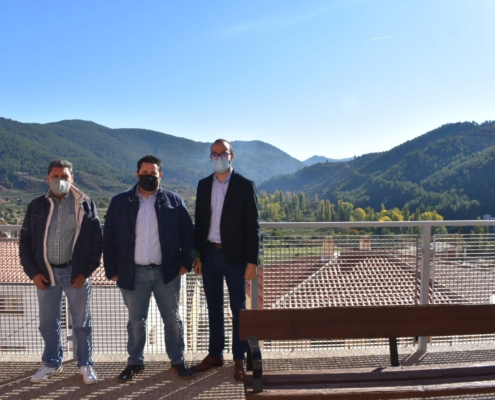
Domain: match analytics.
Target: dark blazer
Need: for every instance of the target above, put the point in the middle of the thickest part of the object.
(239, 224)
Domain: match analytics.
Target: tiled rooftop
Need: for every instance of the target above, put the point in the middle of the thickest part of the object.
(359, 280)
(350, 279)
(11, 270)
(10, 264)
(277, 280)
(471, 283)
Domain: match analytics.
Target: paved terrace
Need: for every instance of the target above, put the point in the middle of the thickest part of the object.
(331, 279)
(156, 382)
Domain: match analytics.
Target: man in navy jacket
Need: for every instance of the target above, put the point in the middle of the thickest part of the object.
(227, 238)
(60, 247)
(148, 244)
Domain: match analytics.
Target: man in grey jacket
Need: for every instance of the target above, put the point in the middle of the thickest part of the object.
(60, 247)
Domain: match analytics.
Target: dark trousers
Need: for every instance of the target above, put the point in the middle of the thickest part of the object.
(215, 268)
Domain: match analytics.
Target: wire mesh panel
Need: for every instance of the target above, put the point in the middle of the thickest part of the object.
(194, 312)
(463, 272)
(18, 304)
(298, 272)
(338, 271)
(19, 316)
(465, 266)
(19, 319)
(109, 318)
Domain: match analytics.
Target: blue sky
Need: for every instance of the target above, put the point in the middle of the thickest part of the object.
(311, 77)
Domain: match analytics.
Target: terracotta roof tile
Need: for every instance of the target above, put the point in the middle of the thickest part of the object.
(10, 264)
(360, 280)
(11, 270)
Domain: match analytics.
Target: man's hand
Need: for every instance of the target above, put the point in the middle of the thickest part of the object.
(79, 281)
(251, 271)
(40, 281)
(198, 267)
(182, 271)
(115, 278)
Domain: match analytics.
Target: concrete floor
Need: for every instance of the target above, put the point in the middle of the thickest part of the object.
(157, 382)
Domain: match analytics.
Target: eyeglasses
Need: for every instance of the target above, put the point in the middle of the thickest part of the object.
(223, 154)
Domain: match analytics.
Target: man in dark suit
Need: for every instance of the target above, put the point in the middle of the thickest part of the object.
(227, 238)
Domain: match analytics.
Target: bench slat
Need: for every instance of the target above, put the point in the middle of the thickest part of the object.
(378, 389)
(348, 375)
(367, 322)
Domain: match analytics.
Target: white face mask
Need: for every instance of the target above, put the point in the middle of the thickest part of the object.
(220, 165)
(60, 186)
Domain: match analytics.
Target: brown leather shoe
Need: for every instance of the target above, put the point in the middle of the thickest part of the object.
(239, 370)
(207, 363)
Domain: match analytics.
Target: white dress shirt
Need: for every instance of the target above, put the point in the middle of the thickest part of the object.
(147, 247)
(218, 192)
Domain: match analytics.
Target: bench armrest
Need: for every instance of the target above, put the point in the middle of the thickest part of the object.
(255, 363)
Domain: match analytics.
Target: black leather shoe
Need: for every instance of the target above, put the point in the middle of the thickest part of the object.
(181, 371)
(129, 371)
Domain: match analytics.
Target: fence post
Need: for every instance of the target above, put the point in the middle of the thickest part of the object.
(254, 291)
(425, 276)
(72, 336)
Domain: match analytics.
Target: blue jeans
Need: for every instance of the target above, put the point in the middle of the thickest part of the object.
(149, 280)
(215, 268)
(50, 310)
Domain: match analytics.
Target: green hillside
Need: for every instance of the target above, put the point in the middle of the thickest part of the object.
(449, 169)
(315, 178)
(105, 159)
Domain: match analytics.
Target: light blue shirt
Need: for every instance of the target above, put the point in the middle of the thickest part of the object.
(147, 250)
(218, 192)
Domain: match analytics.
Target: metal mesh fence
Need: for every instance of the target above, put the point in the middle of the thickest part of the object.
(302, 271)
(463, 271)
(338, 271)
(351, 270)
(109, 317)
(345, 270)
(19, 317)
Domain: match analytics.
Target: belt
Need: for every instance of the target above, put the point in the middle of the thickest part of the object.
(67, 264)
(215, 245)
(149, 265)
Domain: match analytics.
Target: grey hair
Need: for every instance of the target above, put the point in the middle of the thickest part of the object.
(59, 164)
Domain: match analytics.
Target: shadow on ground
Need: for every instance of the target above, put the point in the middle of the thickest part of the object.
(157, 382)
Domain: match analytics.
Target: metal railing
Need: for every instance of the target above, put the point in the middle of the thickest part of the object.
(335, 269)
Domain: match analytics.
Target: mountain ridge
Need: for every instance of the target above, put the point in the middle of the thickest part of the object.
(446, 169)
(104, 154)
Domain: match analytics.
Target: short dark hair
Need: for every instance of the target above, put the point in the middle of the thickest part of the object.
(150, 159)
(59, 164)
(225, 141)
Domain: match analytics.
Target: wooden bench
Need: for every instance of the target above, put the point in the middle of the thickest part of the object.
(366, 323)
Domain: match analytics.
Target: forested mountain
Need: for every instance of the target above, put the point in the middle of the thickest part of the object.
(449, 169)
(105, 159)
(321, 159)
(316, 177)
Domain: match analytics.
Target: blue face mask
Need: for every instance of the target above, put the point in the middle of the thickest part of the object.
(220, 165)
